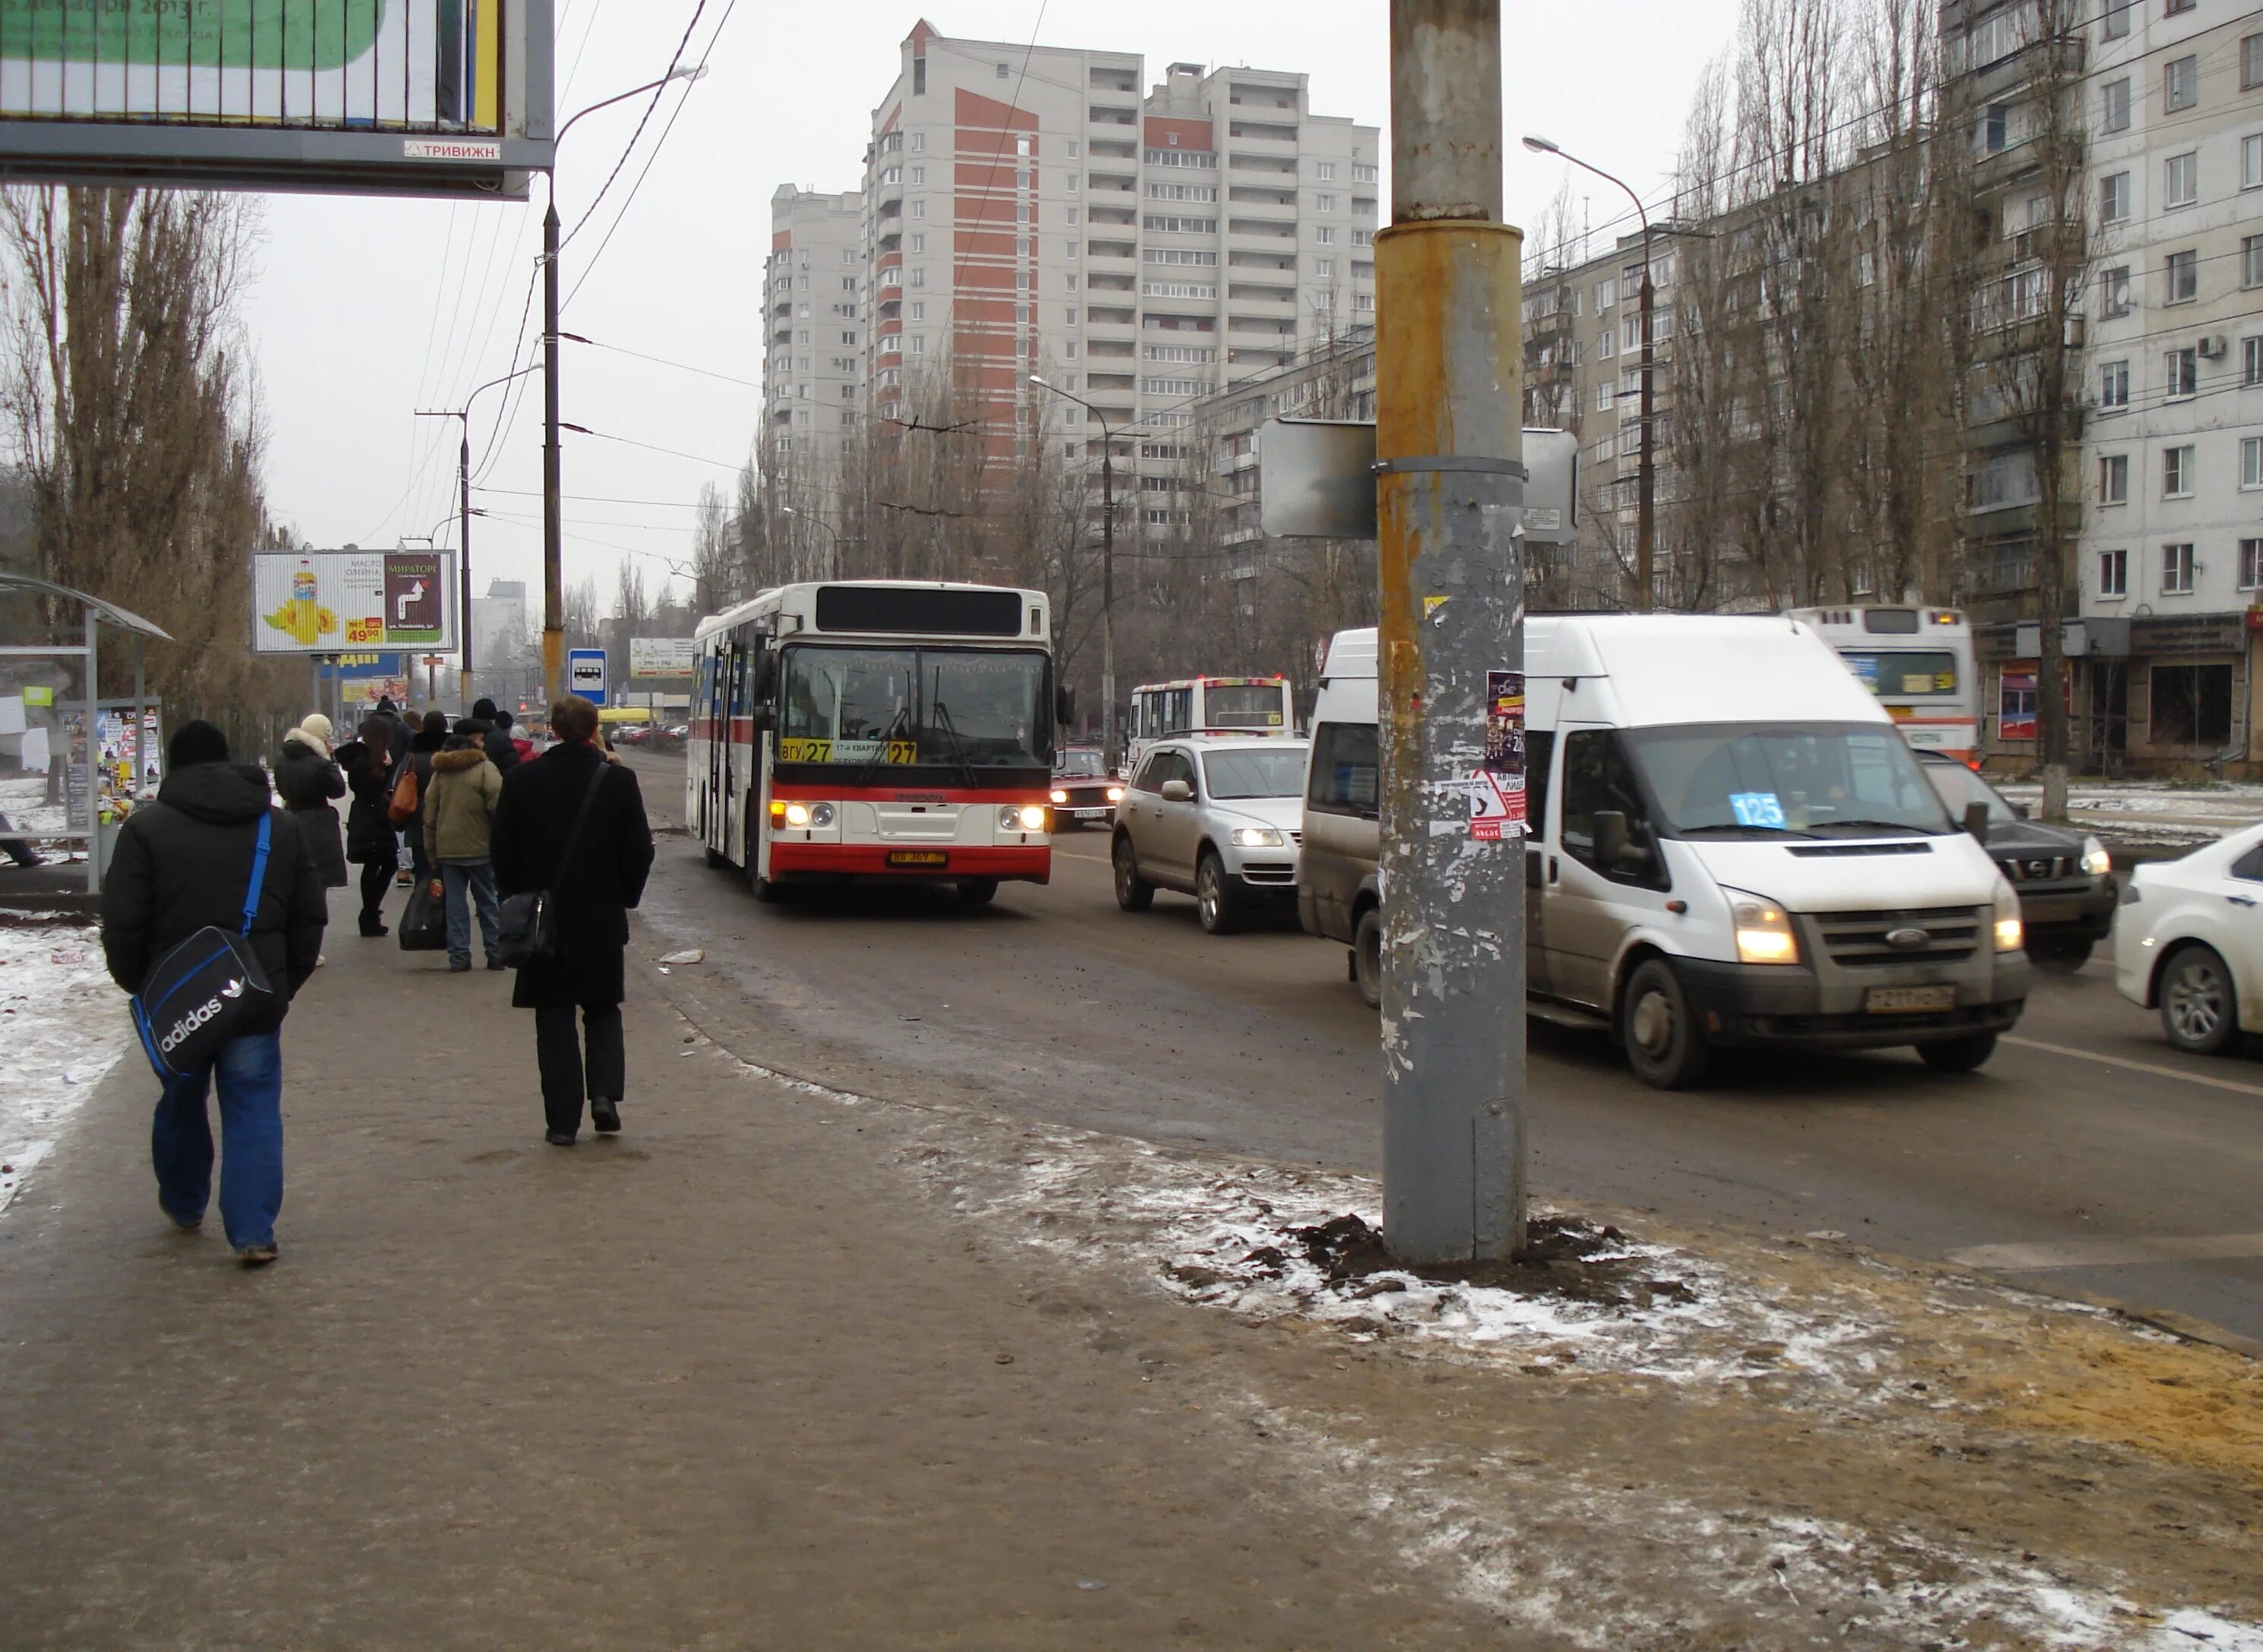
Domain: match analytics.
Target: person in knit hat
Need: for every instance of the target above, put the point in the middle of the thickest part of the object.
(309, 780)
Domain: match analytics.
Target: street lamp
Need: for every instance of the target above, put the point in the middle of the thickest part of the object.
(463, 417)
(553, 525)
(1107, 570)
(838, 543)
(1645, 598)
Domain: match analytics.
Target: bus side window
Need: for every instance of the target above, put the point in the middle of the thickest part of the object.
(1539, 761)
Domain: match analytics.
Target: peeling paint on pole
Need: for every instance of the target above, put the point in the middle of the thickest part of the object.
(1447, 389)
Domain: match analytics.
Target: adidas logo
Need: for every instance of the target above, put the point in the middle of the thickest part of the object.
(188, 1023)
(233, 989)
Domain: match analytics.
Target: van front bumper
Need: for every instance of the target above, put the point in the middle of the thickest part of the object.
(1787, 1004)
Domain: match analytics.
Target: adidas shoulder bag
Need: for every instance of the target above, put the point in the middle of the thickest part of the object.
(208, 989)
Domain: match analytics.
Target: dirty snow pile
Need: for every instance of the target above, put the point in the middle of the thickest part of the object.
(23, 799)
(2158, 812)
(63, 1027)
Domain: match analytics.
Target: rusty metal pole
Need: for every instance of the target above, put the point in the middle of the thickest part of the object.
(1448, 372)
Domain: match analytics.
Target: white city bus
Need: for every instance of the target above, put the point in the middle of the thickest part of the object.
(1920, 663)
(876, 729)
(1208, 705)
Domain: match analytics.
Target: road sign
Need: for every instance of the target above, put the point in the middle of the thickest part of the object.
(585, 674)
(1316, 482)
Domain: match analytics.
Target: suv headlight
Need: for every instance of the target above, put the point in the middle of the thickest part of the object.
(2095, 861)
(2011, 934)
(1764, 934)
(1257, 838)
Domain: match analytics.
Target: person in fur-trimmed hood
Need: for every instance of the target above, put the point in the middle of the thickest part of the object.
(459, 816)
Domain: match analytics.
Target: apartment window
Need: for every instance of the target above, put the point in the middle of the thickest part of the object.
(2251, 260)
(918, 76)
(1606, 448)
(2177, 570)
(2251, 160)
(1068, 351)
(1606, 393)
(2114, 111)
(2176, 472)
(2191, 705)
(2250, 62)
(2183, 375)
(918, 311)
(1068, 249)
(1324, 203)
(2113, 384)
(918, 139)
(1607, 293)
(1069, 282)
(1363, 174)
(2251, 361)
(2181, 178)
(2183, 271)
(1071, 151)
(918, 278)
(1324, 234)
(2114, 573)
(2174, 6)
(2114, 196)
(1005, 71)
(1630, 332)
(2181, 83)
(2113, 478)
(919, 209)
(848, 283)
(2251, 461)
(849, 339)
(2251, 564)
(1324, 269)
(1363, 238)
(2114, 293)
(1069, 316)
(918, 242)
(1996, 128)
(1607, 344)
(2116, 23)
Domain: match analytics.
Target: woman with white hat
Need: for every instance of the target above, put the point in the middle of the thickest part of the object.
(307, 778)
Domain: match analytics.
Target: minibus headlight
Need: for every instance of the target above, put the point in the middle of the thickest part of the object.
(1033, 818)
(1059, 796)
(1256, 838)
(797, 814)
(2096, 863)
(1764, 934)
(2011, 934)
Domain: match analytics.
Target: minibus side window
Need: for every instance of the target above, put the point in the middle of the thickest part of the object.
(1346, 772)
(1597, 776)
(1539, 760)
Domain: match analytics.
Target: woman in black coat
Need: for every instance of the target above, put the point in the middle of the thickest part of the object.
(431, 736)
(370, 767)
(307, 779)
(590, 893)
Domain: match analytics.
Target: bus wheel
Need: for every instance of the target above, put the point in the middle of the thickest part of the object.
(978, 891)
(715, 860)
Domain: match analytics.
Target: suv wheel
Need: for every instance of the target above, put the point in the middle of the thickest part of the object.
(1367, 956)
(2199, 1007)
(2059, 957)
(1664, 1044)
(1958, 1055)
(1216, 901)
(1133, 892)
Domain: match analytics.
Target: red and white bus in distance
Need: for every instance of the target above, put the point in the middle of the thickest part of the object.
(876, 729)
(1208, 705)
(1919, 661)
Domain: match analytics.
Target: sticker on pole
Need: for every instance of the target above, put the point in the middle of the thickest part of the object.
(1497, 810)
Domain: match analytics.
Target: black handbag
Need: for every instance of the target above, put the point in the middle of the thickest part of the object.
(527, 926)
(425, 922)
(208, 989)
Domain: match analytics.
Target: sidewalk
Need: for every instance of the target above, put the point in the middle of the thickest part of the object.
(789, 1367)
(723, 1382)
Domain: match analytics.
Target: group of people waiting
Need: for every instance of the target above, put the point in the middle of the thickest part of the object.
(486, 816)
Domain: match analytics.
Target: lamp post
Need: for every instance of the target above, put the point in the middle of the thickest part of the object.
(1645, 518)
(1107, 570)
(838, 542)
(554, 526)
(463, 417)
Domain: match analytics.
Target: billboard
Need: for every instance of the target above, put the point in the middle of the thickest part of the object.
(351, 602)
(408, 97)
(660, 658)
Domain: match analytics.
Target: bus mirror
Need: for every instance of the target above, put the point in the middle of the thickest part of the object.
(764, 718)
(1610, 839)
(1065, 705)
(1975, 820)
(766, 675)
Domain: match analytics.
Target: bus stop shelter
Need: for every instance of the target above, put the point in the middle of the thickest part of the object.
(88, 617)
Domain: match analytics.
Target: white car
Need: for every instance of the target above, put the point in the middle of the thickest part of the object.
(2188, 937)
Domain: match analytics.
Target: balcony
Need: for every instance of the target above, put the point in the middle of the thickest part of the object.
(1111, 115)
(1263, 229)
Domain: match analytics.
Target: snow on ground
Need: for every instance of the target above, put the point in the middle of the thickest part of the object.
(2157, 812)
(63, 1025)
(22, 799)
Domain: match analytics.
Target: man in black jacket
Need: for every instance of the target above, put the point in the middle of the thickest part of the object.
(182, 863)
(591, 891)
(495, 735)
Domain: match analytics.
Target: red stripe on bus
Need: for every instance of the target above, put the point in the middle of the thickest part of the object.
(1033, 865)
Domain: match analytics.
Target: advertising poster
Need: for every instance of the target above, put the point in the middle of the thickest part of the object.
(1497, 803)
(652, 658)
(346, 64)
(345, 602)
(2016, 707)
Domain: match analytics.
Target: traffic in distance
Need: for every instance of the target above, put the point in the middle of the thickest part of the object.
(1702, 871)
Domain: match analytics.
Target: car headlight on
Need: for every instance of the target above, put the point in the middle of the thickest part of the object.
(1059, 796)
(1764, 934)
(797, 814)
(2096, 863)
(1115, 794)
(1256, 838)
(2011, 934)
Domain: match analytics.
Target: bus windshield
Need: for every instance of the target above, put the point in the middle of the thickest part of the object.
(969, 708)
(1904, 674)
(1806, 780)
(1246, 705)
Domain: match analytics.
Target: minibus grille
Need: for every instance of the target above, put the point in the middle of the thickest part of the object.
(1859, 940)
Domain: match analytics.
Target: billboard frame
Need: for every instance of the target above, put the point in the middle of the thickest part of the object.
(446, 587)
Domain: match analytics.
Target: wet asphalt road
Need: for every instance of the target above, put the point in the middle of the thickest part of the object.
(2087, 1158)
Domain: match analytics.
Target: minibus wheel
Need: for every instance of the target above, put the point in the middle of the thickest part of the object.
(1664, 1044)
(1367, 956)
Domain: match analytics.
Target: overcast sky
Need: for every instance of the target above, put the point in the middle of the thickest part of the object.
(366, 310)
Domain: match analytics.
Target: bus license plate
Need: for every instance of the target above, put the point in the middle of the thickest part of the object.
(1904, 1001)
(918, 857)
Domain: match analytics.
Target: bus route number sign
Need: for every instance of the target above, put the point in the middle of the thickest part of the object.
(821, 750)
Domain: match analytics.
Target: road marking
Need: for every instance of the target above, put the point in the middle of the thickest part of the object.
(2232, 1084)
(2020, 1258)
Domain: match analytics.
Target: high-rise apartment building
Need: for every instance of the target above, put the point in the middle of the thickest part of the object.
(816, 332)
(1031, 212)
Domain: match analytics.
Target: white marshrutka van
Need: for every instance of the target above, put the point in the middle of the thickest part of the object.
(1730, 845)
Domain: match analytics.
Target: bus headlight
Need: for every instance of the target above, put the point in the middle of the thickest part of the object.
(2095, 861)
(1029, 817)
(797, 814)
(2011, 934)
(1033, 818)
(1256, 838)
(1764, 934)
(1059, 796)
(821, 815)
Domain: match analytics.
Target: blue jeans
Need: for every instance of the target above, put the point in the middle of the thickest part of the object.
(249, 1071)
(476, 879)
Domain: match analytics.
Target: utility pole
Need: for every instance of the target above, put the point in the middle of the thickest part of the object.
(1108, 751)
(1645, 596)
(553, 525)
(1450, 492)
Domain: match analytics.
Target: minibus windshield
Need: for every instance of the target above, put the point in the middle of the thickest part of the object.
(1801, 780)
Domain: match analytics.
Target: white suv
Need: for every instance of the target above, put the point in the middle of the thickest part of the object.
(1221, 820)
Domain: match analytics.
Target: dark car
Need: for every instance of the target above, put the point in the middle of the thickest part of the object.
(1084, 793)
(2064, 879)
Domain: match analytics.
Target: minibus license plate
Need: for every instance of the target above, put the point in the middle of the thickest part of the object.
(1904, 1000)
(918, 857)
